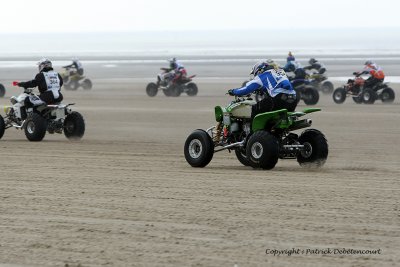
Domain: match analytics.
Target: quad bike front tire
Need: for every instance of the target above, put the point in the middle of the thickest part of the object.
(262, 150)
(74, 126)
(73, 85)
(175, 90)
(2, 126)
(310, 96)
(387, 95)
(35, 127)
(315, 150)
(327, 87)
(199, 149)
(192, 89)
(2, 90)
(87, 84)
(357, 99)
(241, 156)
(369, 96)
(339, 95)
(152, 89)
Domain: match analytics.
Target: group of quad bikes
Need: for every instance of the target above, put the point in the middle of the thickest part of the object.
(261, 142)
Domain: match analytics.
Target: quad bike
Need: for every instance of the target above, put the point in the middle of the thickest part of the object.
(305, 91)
(260, 142)
(36, 120)
(73, 80)
(2, 90)
(319, 81)
(179, 83)
(361, 94)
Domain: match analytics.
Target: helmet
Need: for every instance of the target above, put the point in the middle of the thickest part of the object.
(368, 62)
(261, 67)
(312, 60)
(172, 63)
(44, 63)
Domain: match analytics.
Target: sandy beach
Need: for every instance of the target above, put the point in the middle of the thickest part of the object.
(125, 196)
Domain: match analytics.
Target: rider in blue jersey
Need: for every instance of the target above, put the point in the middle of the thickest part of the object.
(279, 93)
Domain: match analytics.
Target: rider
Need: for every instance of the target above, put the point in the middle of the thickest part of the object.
(289, 59)
(49, 83)
(279, 92)
(174, 72)
(376, 72)
(315, 64)
(76, 66)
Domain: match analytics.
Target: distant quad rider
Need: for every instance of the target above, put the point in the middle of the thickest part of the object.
(173, 73)
(49, 83)
(76, 67)
(376, 72)
(316, 65)
(279, 93)
(289, 59)
(297, 69)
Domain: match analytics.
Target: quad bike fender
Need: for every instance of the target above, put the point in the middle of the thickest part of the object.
(219, 113)
(261, 120)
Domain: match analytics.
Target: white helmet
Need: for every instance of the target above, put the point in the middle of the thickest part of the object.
(44, 63)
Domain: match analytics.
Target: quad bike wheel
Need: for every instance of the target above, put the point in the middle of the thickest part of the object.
(327, 87)
(357, 99)
(298, 95)
(315, 150)
(369, 96)
(192, 89)
(151, 89)
(74, 126)
(310, 96)
(2, 90)
(339, 95)
(262, 150)
(35, 127)
(387, 95)
(241, 156)
(87, 84)
(199, 149)
(2, 126)
(73, 85)
(175, 90)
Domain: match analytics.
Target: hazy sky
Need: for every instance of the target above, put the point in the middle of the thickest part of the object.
(176, 15)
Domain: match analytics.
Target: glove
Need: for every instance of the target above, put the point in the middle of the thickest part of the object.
(355, 73)
(230, 92)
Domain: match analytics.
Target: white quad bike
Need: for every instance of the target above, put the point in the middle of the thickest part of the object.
(41, 118)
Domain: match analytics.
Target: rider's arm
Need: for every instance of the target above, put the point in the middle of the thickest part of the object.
(249, 87)
(61, 80)
(30, 84)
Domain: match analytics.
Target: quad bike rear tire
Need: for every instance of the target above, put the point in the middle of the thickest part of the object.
(2, 126)
(262, 150)
(339, 95)
(152, 89)
(387, 95)
(369, 96)
(2, 90)
(327, 87)
(87, 84)
(199, 149)
(74, 126)
(316, 151)
(35, 127)
(310, 95)
(241, 156)
(192, 89)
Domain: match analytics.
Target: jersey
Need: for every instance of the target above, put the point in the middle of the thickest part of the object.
(272, 81)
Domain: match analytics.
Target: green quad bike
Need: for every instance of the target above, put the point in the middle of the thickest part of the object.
(258, 143)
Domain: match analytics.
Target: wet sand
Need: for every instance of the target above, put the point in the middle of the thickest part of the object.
(125, 196)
